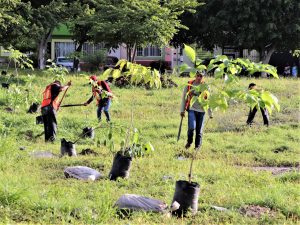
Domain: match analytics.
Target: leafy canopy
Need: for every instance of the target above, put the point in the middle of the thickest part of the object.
(225, 86)
(137, 21)
(254, 24)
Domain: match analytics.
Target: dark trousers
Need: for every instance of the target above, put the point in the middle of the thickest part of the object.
(264, 113)
(50, 123)
(195, 122)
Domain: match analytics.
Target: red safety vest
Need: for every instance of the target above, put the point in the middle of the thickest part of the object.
(47, 98)
(189, 97)
(97, 92)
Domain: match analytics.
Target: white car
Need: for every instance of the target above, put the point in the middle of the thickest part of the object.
(65, 62)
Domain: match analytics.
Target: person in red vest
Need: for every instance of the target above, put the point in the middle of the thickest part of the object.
(50, 104)
(196, 113)
(101, 91)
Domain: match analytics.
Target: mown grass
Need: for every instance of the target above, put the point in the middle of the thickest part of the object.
(36, 191)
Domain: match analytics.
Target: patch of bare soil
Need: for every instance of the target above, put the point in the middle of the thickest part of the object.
(256, 211)
(88, 151)
(9, 109)
(29, 134)
(275, 170)
(184, 154)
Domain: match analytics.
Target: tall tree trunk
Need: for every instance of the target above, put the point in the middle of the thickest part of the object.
(76, 58)
(129, 56)
(42, 48)
(265, 58)
(269, 54)
(134, 52)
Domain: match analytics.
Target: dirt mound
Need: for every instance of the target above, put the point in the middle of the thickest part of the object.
(281, 149)
(275, 170)
(88, 151)
(256, 211)
(28, 134)
(9, 109)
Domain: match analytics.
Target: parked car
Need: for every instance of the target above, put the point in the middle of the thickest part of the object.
(110, 62)
(65, 62)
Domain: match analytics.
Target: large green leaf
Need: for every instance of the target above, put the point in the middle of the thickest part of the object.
(106, 74)
(219, 73)
(183, 67)
(116, 73)
(190, 53)
(201, 67)
(135, 136)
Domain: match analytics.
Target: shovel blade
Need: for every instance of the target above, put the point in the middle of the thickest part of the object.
(179, 130)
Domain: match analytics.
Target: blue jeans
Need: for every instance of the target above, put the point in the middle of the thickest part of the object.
(104, 107)
(195, 122)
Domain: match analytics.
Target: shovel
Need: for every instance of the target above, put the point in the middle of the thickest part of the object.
(72, 105)
(179, 131)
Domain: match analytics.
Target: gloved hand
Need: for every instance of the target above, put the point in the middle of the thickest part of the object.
(195, 93)
(182, 114)
(85, 104)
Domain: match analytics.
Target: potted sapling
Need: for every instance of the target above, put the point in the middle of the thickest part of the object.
(19, 59)
(215, 94)
(131, 147)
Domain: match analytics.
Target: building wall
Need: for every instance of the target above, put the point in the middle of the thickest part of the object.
(69, 46)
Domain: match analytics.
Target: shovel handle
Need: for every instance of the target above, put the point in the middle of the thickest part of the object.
(63, 97)
(72, 105)
(179, 130)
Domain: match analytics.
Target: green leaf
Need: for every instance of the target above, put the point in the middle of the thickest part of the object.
(121, 63)
(201, 67)
(193, 100)
(190, 53)
(111, 146)
(116, 73)
(183, 67)
(106, 74)
(211, 66)
(148, 148)
(219, 73)
(135, 136)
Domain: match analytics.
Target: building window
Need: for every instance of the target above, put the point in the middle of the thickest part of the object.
(89, 48)
(148, 51)
(64, 48)
(67, 48)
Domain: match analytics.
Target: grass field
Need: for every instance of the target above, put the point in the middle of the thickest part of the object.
(35, 190)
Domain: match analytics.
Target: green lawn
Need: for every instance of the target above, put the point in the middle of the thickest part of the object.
(36, 191)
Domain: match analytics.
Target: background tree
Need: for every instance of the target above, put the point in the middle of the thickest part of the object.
(138, 22)
(263, 25)
(80, 26)
(14, 23)
(47, 15)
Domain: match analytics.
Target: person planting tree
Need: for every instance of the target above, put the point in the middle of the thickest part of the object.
(196, 113)
(101, 91)
(253, 111)
(50, 105)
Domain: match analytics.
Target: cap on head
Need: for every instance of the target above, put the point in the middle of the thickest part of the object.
(200, 72)
(93, 78)
(57, 81)
(251, 85)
